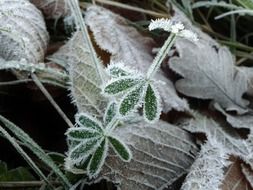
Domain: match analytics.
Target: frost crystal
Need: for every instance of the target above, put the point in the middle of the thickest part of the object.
(173, 27)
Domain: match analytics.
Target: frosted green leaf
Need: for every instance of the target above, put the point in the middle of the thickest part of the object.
(84, 149)
(131, 100)
(120, 148)
(117, 70)
(89, 122)
(110, 113)
(151, 105)
(98, 159)
(81, 133)
(115, 87)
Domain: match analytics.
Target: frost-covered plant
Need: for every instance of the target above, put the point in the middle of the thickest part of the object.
(90, 141)
(136, 89)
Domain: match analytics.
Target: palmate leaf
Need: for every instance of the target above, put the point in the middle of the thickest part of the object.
(210, 74)
(131, 100)
(125, 44)
(119, 85)
(152, 108)
(120, 148)
(98, 159)
(160, 155)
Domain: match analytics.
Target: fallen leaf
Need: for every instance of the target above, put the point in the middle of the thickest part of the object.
(210, 74)
(161, 154)
(52, 9)
(84, 80)
(23, 33)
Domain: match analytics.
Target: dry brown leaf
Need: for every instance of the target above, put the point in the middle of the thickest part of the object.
(234, 178)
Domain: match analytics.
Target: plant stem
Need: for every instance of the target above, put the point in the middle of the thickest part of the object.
(81, 23)
(161, 55)
(129, 7)
(51, 100)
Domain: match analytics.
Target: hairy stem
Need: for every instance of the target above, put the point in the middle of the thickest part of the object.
(81, 23)
(51, 100)
(161, 55)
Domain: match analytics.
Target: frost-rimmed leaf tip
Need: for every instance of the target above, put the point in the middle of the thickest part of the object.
(176, 28)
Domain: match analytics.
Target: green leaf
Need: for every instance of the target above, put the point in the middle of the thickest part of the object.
(120, 85)
(35, 148)
(98, 159)
(117, 70)
(151, 105)
(89, 122)
(17, 174)
(131, 100)
(81, 133)
(120, 148)
(110, 113)
(84, 149)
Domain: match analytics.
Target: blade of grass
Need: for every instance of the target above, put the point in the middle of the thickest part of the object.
(35, 148)
(25, 156)
(129, 7)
